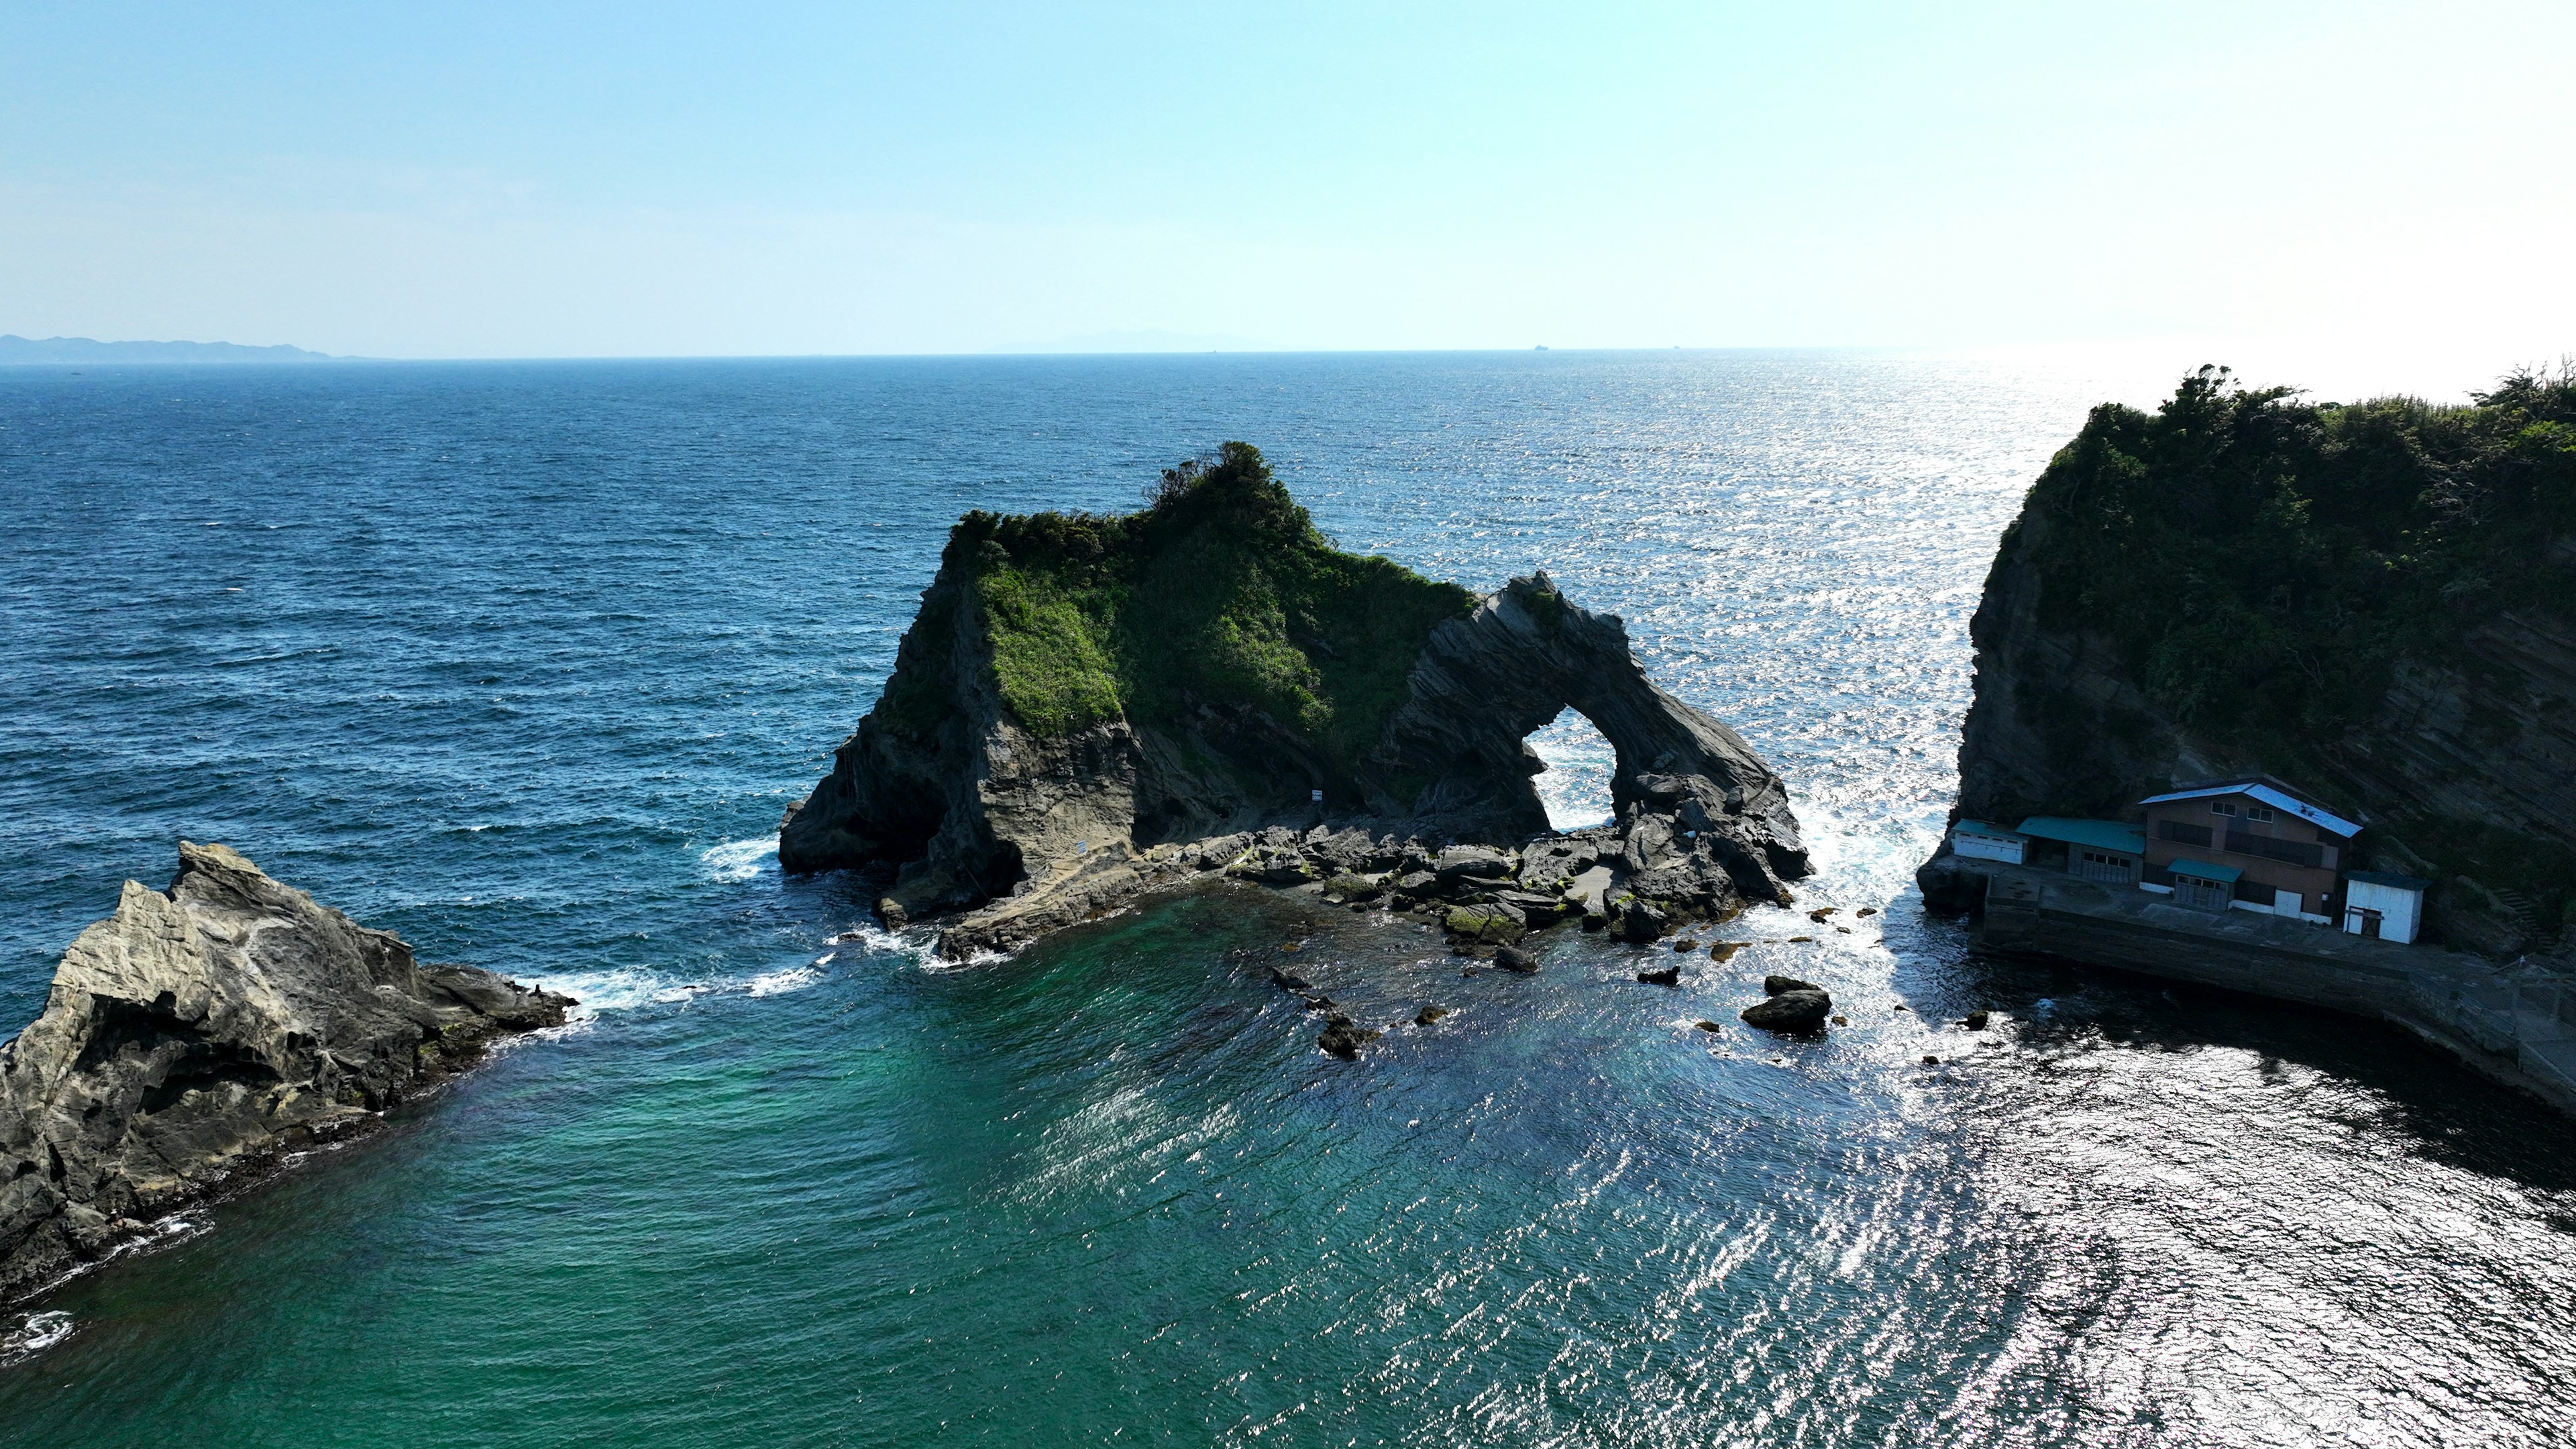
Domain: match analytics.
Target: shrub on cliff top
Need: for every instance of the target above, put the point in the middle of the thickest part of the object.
(1221, 592)
(2264, 563)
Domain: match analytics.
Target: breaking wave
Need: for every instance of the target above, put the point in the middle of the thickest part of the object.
(35, 1333)
(740, 860)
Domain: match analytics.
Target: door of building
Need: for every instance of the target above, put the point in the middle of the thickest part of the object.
(2109, 869)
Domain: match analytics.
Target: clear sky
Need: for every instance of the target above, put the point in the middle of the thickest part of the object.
(533, 179)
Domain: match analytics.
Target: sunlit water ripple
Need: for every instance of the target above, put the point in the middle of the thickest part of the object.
(524, 661)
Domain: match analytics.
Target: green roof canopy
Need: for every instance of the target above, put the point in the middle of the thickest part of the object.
(2099, 834)
(2223, 874)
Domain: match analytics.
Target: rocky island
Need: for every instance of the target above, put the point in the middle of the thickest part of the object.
(1088, 707)
(200, 1033)
(2365, 604)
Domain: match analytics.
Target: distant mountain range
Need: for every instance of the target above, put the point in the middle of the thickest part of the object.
(29, 351)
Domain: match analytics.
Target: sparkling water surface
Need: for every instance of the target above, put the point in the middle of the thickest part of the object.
(524, 662)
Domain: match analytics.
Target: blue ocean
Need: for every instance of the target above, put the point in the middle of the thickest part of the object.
(525, 661)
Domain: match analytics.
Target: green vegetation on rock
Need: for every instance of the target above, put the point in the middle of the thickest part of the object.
(2264, 563)
(1219, 593)
(2268, 568)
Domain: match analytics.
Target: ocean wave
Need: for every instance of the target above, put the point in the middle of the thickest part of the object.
(916, 947)
(776, 983)
(35, 1333)
(740, 860)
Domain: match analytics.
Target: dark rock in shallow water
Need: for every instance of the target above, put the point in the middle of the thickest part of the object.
(1640, 923)
(1289, 980)
(1774, 985)
(1429, 1014)
(1661, 976)
(1976, 1021)
(1793, 1012)
(1343, 1037)
(1484, 925)
(1513, 958)
(196, 1034)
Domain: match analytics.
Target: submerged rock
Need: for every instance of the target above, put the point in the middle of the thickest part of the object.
(1429, 1014)
(1661, 975)
(1514, 959)
(201, 1031)
(1774, 985)
(1343, 1037)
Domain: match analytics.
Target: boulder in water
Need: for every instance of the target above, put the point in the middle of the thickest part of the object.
(1791, 1012)
(1343, 1037)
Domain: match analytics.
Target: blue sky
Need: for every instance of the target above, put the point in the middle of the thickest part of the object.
(552, 180)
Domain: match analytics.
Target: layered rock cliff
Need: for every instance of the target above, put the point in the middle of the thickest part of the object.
(1086, 706)
(199, 1032)
(2375, 602)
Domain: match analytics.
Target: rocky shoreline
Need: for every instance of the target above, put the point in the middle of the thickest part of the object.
(197, 1036)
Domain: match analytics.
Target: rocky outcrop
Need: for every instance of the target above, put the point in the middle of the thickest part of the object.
(1790, 1007)
(2060, 725)
(201, 1031)
(2368, 603)
(1001, 832)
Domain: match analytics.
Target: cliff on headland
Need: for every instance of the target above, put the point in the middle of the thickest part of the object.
(196, 1034)
(1087, 706)
(2375, 601)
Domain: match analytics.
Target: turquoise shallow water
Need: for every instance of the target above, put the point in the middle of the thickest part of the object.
(524, 661)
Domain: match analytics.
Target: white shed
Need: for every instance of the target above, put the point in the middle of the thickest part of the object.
(2390, 907)
(1978, 840)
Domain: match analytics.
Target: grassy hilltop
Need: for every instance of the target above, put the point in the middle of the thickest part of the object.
(1221, 592)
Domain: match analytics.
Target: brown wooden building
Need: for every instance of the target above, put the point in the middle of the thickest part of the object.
(2257, 843)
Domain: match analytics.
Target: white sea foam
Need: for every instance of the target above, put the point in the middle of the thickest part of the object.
(740, 860)
(915, 947)
(35, 1333)
(795, 978)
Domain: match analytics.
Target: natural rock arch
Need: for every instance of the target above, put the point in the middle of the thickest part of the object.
(1458, 751)
(961, 808)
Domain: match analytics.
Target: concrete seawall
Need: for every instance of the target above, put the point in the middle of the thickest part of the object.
(2515, 1024)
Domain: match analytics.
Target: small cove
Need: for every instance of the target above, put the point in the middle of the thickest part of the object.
(539, 705)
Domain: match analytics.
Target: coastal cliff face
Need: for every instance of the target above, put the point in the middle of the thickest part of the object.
(2372, 602)
(1086, 706)
(199, 1032)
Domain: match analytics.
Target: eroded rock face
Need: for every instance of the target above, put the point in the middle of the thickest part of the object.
(198, 1032)
(967, 817)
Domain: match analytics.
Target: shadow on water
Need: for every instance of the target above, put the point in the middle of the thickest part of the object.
(2398, 1088)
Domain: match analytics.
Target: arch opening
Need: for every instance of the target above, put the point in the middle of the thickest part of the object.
(1575, 790)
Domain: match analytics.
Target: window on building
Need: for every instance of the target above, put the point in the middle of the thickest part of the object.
(2270, 847)
(2258, 812)
(2175, 830)
(2222, 807)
